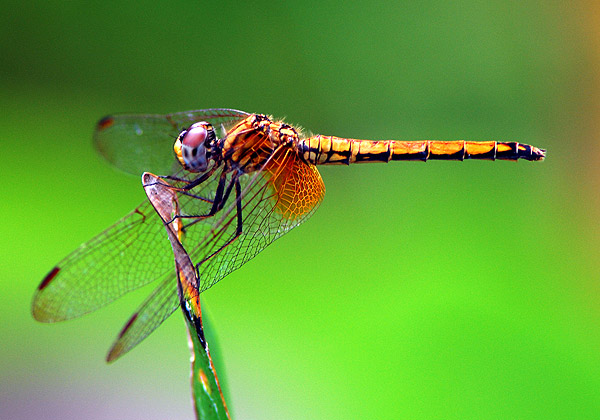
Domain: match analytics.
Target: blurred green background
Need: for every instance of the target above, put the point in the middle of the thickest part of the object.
(441, 290)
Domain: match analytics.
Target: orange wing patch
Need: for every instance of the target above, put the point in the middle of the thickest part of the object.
(298, 185)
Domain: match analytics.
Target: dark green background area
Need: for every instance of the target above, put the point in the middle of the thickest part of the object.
(440, 290)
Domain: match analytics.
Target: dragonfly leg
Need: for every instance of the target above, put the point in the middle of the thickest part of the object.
(184, 190)
(219, 193)
(221, 197)
(238, 205)
(189, 184)
(193, 183)
(238, 230)
(197, 197)
(199, 180)
(173, 178)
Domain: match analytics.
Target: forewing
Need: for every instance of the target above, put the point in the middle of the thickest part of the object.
(140, 143)
(134, 251)
(130, 254)
(127, 255)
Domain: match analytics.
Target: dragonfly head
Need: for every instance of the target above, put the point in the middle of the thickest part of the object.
(193, 146)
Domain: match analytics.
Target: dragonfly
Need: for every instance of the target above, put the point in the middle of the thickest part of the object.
(241, 180)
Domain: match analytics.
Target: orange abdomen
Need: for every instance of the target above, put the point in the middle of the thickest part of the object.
(324, 150)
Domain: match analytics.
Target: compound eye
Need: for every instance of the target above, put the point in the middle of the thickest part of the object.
(193, 148)
(195, 136)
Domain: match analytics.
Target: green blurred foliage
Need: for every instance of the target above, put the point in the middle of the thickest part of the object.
(438, 290)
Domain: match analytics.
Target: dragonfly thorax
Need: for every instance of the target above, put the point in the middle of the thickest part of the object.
(193, 146)
(256, 140)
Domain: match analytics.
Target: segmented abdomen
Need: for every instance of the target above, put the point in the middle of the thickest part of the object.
(324, 150)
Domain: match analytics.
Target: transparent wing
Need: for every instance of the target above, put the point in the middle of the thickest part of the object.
(150, 314)
(144, 143)
(134, 251)
(130, 254)
(280, 197)
(125, 256)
